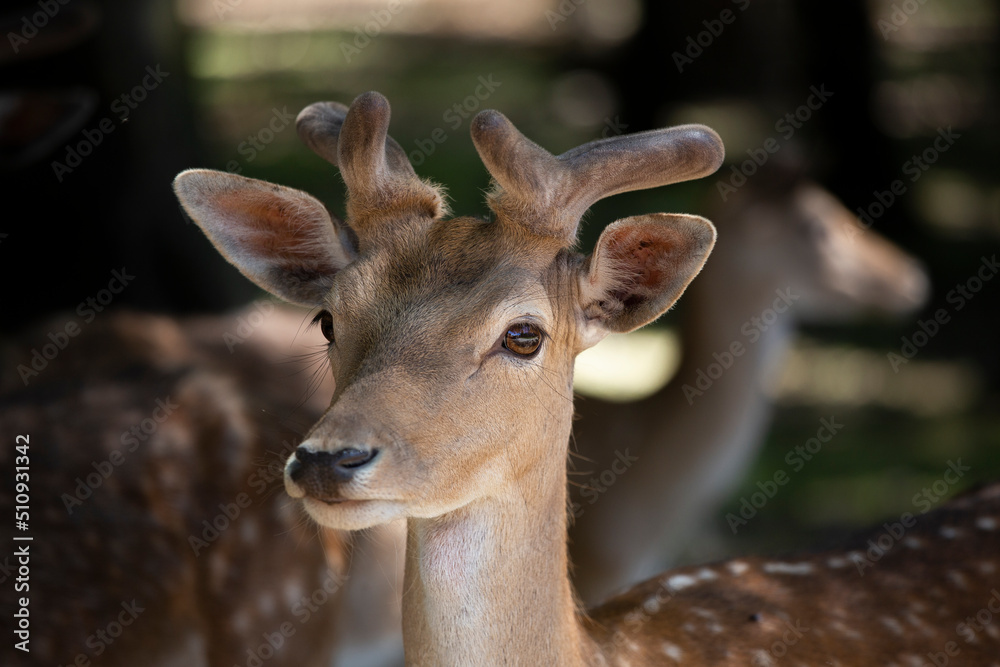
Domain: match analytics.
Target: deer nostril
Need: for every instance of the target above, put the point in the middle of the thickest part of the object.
(294, 468)
(320, 468)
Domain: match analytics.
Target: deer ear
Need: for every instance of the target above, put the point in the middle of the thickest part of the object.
(282, 239)
(639, 268)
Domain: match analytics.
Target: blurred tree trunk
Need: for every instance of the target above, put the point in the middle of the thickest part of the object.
(115, 208)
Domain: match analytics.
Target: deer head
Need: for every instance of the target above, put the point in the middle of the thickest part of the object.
(451, 340)
(795, 233)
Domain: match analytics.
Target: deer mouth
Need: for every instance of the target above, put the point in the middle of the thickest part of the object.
(335, 503)
(331, 497)
(341, 501)
(352, 514)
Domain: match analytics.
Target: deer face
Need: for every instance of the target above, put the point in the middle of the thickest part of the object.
(804, 237)
(452, 341)
(446, 353)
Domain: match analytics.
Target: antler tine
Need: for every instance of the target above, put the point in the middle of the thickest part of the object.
(319, 126)
(550, 194)
(381, 182)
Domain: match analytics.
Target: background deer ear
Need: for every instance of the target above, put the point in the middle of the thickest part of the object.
(639, 268)
(282, 239)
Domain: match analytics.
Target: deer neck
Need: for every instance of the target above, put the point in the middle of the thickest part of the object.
(734, 342)
(735, 339)
(739, 324)
(488, 583)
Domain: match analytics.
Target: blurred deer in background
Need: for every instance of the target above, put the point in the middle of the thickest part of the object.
(157, 450)
(788, 251)
(452, 346)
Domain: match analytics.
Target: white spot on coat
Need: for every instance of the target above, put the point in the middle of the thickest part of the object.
(737, 567)
(703, 613)
(986, 523)
(679, 582)
(672, 651)
(788, 568)
(894, 625)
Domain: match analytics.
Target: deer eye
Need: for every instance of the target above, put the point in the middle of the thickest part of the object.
(325, 320)
(523, 338)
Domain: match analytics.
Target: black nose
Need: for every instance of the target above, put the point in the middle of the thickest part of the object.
(319, 473)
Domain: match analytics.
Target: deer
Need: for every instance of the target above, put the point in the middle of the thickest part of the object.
(786, 240)
(451, 342)
(157, 448)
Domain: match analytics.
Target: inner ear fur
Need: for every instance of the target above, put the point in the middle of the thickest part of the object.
(282, 239)
(640, 267)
